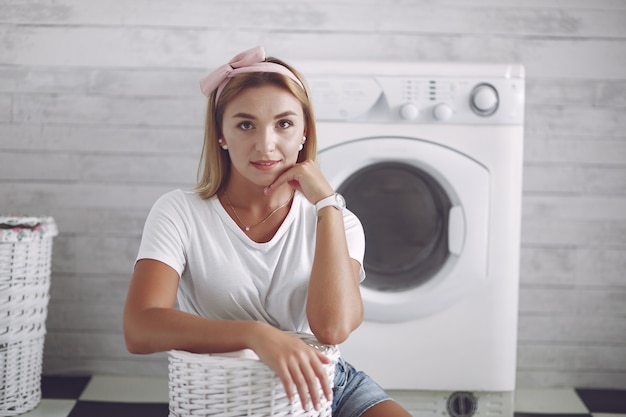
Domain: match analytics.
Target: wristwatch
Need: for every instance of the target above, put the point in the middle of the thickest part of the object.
(335, 200)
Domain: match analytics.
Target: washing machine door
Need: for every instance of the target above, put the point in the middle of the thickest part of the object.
(424, 208)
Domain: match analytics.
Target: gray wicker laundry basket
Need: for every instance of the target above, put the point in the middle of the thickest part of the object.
(216, 385)
(25, 258)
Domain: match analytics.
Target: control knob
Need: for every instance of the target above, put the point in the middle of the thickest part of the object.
(484, 100)
(409, 111)
(442, 111)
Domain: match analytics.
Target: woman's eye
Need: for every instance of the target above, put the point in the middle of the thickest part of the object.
(285, 124)
(245, 125)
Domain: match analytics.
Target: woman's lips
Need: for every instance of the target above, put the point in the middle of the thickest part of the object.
(264, 165)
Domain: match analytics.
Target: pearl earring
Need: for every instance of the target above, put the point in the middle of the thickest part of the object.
(302, 144)
(220, 141)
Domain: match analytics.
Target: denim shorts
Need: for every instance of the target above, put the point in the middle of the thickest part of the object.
(354, 392)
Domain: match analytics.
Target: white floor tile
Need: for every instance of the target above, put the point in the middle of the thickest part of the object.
(560, 401)
(49, 407)
(126, 389)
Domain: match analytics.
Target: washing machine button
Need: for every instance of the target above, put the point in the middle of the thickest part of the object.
(442, 111)
(484, 100)
(409, 111)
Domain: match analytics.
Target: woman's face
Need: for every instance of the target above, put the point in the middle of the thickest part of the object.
(263, 128)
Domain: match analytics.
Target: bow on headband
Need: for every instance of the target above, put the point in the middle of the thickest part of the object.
(252, 60)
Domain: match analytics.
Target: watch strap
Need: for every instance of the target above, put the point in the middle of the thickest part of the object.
(334, 200)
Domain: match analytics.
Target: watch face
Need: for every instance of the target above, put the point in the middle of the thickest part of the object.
(340, 200)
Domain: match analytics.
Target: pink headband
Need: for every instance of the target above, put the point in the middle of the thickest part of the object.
(252, 60)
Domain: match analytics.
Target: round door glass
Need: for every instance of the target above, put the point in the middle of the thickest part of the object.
(404, 212)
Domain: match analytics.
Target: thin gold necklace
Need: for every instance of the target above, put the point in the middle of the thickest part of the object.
(245, 226)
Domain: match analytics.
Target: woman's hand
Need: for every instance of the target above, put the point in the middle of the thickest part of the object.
(295, 363)
(305, 177)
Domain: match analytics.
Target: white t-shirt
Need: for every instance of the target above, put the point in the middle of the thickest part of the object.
(227, 276)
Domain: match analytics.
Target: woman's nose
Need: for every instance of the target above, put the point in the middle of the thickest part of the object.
(266, 142)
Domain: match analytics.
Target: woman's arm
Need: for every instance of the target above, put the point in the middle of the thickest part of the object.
(152, 324)
(334, 306)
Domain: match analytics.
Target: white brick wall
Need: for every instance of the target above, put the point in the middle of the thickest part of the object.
(100, 114)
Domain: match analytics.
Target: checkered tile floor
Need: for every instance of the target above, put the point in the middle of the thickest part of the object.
(138, 397)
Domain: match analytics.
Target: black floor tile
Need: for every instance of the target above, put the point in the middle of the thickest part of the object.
(100, 409)
(603, 400)
(63, 386)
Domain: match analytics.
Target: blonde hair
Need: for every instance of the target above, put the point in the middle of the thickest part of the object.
(214, 166)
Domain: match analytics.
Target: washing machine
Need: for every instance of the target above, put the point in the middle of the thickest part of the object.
(429, 157)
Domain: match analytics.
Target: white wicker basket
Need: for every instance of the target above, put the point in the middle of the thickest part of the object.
(25, 255)
(215, 385)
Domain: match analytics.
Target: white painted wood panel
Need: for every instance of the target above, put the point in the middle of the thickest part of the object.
(571, 330)
(576, 120)
(160, 169)
(569, 265)
(81, 195)
(5, 108)
(88, 254)
(572, 150)
(89, 317)
(611, 94)
(556, 232)
(88, 109)
(578, 301)
(575, 207)
(146, 365)
(548, 265)
(204, 48)
(103, 139)
(603, 266)
(101, 221)
(575, 179)
(91, 288)
(539, 378)
(337, 16)
(38, 166)
(586, 358)
(81, 345)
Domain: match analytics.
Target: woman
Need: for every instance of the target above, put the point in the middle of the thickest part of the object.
(261, 246)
